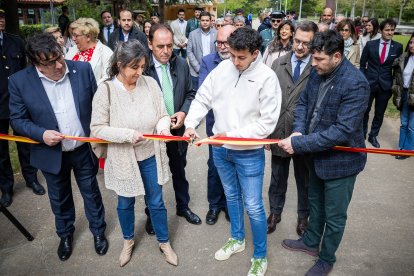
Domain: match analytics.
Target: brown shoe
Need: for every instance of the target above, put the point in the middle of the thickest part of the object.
(169, 253)
(126, 252)
(272, 220)
(302, 226)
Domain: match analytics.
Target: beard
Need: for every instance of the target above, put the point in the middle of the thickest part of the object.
(224, 56)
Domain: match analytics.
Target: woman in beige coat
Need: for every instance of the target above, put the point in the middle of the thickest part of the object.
(124, 108)
(346, 29)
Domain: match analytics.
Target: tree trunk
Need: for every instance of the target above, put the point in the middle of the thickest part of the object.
(161, 7)
(403, 2)
(331, 4)
(12, 17)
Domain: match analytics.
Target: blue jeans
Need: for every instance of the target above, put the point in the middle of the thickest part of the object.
(407, 124)
(181, 51)
(155, 203)
(215, 191)
(241, 172)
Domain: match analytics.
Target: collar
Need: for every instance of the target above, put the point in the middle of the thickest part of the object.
(42, 76)
(383, 41)
(204, 33)
(305, 60)
(333, 73)
(217, 58)
(1, 35)
(158, 64)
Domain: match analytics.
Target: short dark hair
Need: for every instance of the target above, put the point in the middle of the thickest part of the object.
(42, 44)
(198, 9)
(126, 53)
(307, 26)
(329, 42)
(245, 38)
(125, 10)
(180, 10)
(239, 10)
(64, 9)
(156, 27)
(388, 21)
(102, 13)
(205, 13)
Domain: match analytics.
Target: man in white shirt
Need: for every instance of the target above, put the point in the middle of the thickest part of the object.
(245, 97)
(200, 44)
(178, 27)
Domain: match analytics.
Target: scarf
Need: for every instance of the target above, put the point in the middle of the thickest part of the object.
(348, 44)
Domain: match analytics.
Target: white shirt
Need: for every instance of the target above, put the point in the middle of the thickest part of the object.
(158, 68)
(105, 31)
(408, 72)
(294, 61)
(205, 41)
(61, 98)
(125, 36)
(183, 25)
(382, 46)
(1, 38)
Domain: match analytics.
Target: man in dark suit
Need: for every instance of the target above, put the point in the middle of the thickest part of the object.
(215, 191)
(173, 75)
(126, 31)
(293, 71)
(376, 64)
(12, 59)
(108, 27)
(329, 113)
(49, 100)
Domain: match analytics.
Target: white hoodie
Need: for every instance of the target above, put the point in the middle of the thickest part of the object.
(245, 104)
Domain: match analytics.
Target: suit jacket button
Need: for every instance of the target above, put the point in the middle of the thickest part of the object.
(7, 67)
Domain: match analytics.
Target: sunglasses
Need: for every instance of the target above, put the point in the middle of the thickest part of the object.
(344, 30)
(276, 20)
(364, 21)
(219, 25)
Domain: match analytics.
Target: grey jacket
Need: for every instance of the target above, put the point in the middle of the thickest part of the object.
(290, 95)
(195, 49)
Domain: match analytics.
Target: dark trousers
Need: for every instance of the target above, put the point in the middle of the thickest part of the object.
(181, 51)
(279, 182)
(177, 161)
(85, 167)
(6, 172)
(328, 201)
(215, 191)
(381, 101)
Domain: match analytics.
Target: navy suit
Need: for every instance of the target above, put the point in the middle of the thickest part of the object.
(31, 114)
(215, 191)
(338, 122)
(380, 80)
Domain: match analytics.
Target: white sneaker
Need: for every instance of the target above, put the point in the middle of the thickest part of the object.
(258, 268)
(231, 247)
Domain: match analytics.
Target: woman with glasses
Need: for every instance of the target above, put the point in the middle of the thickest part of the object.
(281, 44)
(403, 96)
(370, 33)
(219, 23)
(346, 29)
(88, 47)
(125, 107)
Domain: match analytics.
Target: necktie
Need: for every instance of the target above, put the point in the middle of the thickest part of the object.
(167, 90)
(108, 32)
(296, 73)
(383, 52)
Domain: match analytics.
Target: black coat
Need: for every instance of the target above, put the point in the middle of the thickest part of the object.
(133, 34)
(12, 60)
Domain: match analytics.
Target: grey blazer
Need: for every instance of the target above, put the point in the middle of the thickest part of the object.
(195, 49)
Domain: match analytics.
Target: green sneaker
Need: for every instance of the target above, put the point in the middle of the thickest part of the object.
(258, 268)
(231, 247)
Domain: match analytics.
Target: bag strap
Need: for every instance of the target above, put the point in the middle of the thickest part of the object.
(108, 91)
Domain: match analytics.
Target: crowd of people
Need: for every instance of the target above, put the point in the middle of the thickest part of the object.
(310, 85)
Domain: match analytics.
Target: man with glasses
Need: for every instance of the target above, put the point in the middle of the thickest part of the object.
(12, 60)
(178, 27)
(293, 71)
(269, 34)
(48, 101)
(215, 192)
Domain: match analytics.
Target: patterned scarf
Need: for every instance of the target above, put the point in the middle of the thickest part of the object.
(348, 44)
(85, 56)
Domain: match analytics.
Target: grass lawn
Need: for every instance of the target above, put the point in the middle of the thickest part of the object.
(403, 39)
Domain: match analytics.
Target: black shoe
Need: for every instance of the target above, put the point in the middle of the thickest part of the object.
(374, 142)
(65, 248)
(226, 213)
(212, 216)
(101, 244)
(189, 216)
(6, 199)
(401, 157)
(36, 187)
(148, 226)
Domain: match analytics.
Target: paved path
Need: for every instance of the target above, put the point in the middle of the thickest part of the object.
(378, 239)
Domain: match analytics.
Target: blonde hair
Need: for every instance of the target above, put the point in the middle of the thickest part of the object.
(52, 30)
(87, 26)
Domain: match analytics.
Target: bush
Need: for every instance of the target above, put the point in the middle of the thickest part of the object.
(28, 30)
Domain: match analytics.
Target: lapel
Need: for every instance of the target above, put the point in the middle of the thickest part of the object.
(391, 50)
(200, 41)
(74, 83)
(34, 79)
(6, 42)
(212, 39)
(376, 51)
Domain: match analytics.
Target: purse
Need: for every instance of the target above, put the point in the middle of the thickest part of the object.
(99, 149)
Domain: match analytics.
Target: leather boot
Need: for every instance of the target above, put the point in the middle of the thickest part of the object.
(126, 252)
(169, 253)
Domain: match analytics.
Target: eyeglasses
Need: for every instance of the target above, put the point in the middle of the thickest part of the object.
(276, 20)
(221, 43)
(364, 21)
(219, 25)
(76, 35)
(344, 30)
(298, 42)
(52, 63)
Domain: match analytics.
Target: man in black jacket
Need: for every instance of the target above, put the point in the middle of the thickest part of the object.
(126, 31)
(173, 75)
(12, 59)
